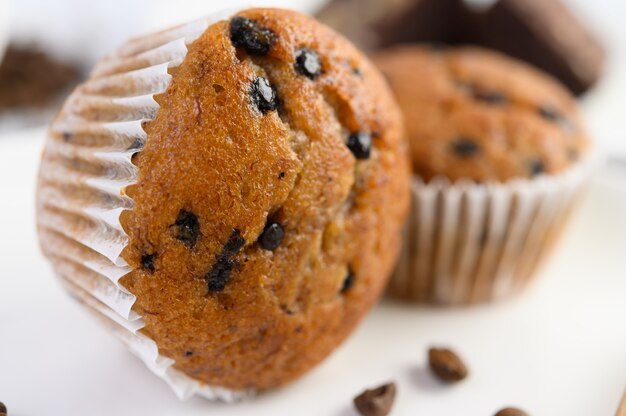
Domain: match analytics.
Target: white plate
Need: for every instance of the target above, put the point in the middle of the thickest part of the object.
(560, 349)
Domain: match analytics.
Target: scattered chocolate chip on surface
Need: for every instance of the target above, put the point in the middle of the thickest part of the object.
(376, 402)
(308, 63)
(446, 365)
(360, 144)
(263, 95)
(187, 228)
(247, 34)
(465, 147)
(511, 411)
(219, 275)
(348, 282)
(147, 262)
(272, 236)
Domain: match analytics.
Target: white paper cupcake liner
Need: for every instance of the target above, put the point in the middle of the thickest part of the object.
(469, 243)
(85, 170)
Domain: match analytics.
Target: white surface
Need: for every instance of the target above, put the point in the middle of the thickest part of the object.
(560, 349)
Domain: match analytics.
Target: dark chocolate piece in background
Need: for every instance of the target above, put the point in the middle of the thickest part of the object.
(543, 33)
(546, 34)
(29, 78)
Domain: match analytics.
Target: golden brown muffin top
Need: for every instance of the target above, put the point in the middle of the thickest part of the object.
(476, 114)
(271, 192)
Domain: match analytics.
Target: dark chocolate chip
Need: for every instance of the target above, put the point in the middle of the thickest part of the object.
(67, 136)
(263, 95)
(147, 262)
(247, 34)
(188, 353)
(465, 147)
(272, 235)
(357, 71)
(490, 97)
(554, 116)
(281, 175)
(446, 365)
(187, 228)
(234, 244)
(308, 63)
(348, 282)
(537, 167)
(511, 411)
(360, 144)
(376, 402)
(219, 275)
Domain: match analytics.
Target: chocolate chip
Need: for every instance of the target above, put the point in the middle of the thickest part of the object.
(490, 97)
(187, 228)
(465, 147)
(234, 244)
(219, 275)
(511, 411)
(281, 175)
(348, 282)
(263, 95)
(188, 353)
(376, 402)
(360, 144)
(3, 409)
(536, 167)
(554, 116)
(357, 71)
(308, 63)
(67, 136)
(446, 365)
(247, 34)
(147, 262)
(272, 236)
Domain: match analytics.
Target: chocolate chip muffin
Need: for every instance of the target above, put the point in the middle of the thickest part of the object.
(253, 192)
(476, 114)
(493, 143)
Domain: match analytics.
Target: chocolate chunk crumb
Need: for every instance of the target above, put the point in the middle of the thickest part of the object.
(537, 167)
(446, 365)
(272, 236)
(511, 411)
(376, 402)
(247, 34)
(348, 282)
(360, 144)
(465, 147)
(263, 95)
(147, 262)
(187, 228)
(219, 275)
(308, 63)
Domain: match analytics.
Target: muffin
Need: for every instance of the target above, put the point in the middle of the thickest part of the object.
(498, 151)
(228, 196)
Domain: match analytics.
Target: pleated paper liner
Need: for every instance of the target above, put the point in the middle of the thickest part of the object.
(468, 243)
(85, 169)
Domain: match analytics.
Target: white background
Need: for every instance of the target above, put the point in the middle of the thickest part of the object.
(559, 349)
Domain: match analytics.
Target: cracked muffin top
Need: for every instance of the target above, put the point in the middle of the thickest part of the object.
(476, 114)
(272, 188)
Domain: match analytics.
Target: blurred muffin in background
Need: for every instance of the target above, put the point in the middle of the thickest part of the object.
(497, 150)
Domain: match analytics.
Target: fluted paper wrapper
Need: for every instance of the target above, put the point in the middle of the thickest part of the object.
(468, 243)
(84, 172)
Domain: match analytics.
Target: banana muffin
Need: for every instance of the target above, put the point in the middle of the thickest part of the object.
(483, 129)
(259, 205)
